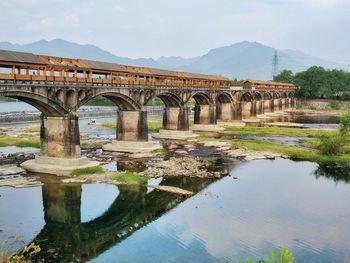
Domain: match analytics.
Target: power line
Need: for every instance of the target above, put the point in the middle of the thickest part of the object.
(275, 62)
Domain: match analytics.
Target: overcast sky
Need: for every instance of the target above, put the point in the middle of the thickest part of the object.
(151, 28)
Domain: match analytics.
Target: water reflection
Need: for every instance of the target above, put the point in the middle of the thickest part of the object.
(336, 173)
(65, 238)
(272, 204)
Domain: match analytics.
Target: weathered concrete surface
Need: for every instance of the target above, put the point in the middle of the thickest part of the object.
(10, 169)
(132, 126)
(60, 136)
(207, 128)
(285, 124)
(238, 123)
(225, 112)
(175, 118)
(131, 147)
(57, 166)
(204, 114)
(175, 135)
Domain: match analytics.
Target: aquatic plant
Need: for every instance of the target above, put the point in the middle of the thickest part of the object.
(130, 178)
(284, 256)
(10, 255)
(88, 170)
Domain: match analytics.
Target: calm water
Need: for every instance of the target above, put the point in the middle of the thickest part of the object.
(272, 204)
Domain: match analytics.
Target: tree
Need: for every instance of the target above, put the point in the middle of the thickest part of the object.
(286, 76)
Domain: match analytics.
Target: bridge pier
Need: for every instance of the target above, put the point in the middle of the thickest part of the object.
(205, 118)
(175, 124)
(60, 147)
(131, 133)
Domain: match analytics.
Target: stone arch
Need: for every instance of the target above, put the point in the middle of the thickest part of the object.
(225, 108)
(202, 98)
(204, 109)
(248, 105)
(124, 103)
(170, 99)
(71, 99)
(45, 105)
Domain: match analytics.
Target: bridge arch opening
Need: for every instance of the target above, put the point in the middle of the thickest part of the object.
(203, 107)
(248, 105)
(175, 112)
(224, 107)
(43, 104)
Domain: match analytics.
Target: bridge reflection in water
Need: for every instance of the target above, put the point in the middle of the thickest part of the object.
(64, 238)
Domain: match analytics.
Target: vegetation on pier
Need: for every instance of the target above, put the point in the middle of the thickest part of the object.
(130, 178)
(87, 171)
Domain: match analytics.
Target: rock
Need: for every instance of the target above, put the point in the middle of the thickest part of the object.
(171, 189)
(141, 155)
(261, 155)
(216, 144)
(6, 170)
(181, 152)
(178, 167)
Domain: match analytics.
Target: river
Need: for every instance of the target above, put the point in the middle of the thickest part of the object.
(272, 204)
(262, 206)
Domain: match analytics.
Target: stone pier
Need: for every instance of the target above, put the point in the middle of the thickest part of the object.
(60, 147)
(205, 119)
(131, 134)
(175, 124)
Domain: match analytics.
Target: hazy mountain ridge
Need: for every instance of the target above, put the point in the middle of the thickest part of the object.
(244, 60)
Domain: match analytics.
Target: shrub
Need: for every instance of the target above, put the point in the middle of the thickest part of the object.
(334, 105)
(332, 144)
(345, 124)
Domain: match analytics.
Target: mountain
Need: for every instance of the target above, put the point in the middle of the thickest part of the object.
(244, 60)
(62, 48)
(253, 60)
(175, 62)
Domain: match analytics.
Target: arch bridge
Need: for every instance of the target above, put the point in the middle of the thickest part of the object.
(58, 87)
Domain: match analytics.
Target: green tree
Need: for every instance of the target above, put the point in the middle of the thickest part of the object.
(285, 76)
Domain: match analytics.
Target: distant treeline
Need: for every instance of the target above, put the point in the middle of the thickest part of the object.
(318, 83)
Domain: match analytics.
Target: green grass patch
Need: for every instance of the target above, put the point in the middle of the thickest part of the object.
(160, 151)
(19, 141)
(130, 178)
(296, 153)
(88, 170)
(277, 131)
(85, 146)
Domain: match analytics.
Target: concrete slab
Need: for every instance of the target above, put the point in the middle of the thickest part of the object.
(207, 128)
(175, 135)
(131, 146)
(232, 123)
(57, 166)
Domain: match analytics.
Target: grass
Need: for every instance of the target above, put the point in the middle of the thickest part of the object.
(294, 152)
(276, 131)
(88, 170)
(153, 125)
(160, 151)
(130, 178)
(23, 140)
